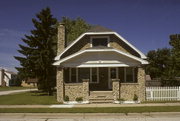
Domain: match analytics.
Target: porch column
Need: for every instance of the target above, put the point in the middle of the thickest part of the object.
(116, 88)
(60, 84)
(141, 81)
(85, 89)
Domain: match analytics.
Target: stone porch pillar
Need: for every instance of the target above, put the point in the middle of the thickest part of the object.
(60, 85)
(116, 88)
(85, 89)
(141, 82)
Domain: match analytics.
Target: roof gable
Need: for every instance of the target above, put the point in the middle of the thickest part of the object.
(102, 33)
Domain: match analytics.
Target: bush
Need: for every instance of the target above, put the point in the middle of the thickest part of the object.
(66, 98)
(135, 97)
(79, 99)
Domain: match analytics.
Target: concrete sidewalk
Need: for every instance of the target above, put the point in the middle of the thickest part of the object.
(15, 91)
(158, 116)
(89, 105)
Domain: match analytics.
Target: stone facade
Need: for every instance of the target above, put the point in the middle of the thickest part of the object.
(61, 38)
(85, 89)
(60, 85)
(116, 88)
(73, 90)
(128, 90)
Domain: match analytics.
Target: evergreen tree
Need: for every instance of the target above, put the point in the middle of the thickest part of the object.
(39, 51)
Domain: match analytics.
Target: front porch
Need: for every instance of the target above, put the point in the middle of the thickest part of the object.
(103, 84)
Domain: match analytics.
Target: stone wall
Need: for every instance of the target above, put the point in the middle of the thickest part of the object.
(85, 89)
(60, 85)
(116, 88)
(128, 90)
(73, 90)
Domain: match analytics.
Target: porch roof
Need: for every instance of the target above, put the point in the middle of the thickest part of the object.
(107, 57)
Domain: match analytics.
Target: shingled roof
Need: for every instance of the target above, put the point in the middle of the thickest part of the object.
(98, 28)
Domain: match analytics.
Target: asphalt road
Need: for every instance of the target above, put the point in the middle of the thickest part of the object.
(169, 116)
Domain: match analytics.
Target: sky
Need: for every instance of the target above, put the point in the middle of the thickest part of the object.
(146, 24)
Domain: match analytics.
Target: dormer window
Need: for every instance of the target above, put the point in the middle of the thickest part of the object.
(100, 41)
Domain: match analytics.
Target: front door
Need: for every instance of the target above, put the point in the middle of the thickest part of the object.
(99, 79)
(103, 78)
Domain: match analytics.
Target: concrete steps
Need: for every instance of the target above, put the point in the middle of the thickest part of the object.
(101, 97)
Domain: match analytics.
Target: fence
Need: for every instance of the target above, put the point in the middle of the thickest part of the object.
(162, 93)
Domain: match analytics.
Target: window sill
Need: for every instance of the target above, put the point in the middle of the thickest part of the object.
(124, 83)
(79, 83)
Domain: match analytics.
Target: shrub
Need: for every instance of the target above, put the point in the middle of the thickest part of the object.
(121, 99)
(66, 98)
(135, 97)
(79, 99)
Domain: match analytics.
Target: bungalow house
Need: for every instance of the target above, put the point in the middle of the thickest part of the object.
(99, 66)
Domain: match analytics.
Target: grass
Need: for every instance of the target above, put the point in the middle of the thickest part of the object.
(14, 88)
(28, 98)
(93, 110)
(165, 101)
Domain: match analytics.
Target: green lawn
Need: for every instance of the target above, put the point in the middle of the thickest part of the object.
(14, 88)
(28, 98)
(93, 110)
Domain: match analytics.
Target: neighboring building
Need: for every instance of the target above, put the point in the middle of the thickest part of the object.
(152, 82)
(6, 77)
(30, 82)
(99, 66)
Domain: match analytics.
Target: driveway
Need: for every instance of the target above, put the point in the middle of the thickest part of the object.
(90, 117)
(15, 91)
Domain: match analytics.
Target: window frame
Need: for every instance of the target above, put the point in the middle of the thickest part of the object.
(97, 74)
(98, 37)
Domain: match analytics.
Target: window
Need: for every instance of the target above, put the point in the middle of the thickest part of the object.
(66, 75)
(121, 74)
(113, 73)
(99, 41)
(83, 73)
(73, 75)
(94, 75)
(128, 75)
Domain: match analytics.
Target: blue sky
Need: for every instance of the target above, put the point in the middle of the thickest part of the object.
(146, 24)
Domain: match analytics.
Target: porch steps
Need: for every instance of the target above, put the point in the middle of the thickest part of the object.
(101, 97)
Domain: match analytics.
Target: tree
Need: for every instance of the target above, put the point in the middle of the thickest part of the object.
(39, 51)
(74, 28)
(158, 62)
(175, 43)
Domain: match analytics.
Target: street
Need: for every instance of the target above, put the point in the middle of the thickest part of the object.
(168, 116)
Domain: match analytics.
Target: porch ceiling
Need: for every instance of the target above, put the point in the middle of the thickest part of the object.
(100, 58)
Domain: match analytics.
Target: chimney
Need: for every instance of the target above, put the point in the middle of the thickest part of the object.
(61, 38)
